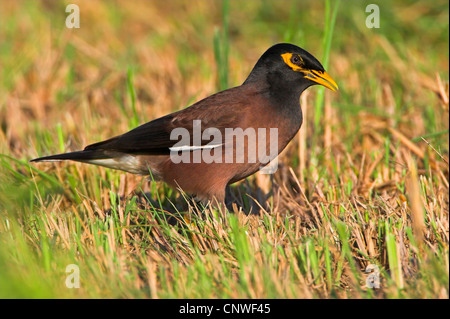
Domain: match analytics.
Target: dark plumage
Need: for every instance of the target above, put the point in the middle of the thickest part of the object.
(269, 98)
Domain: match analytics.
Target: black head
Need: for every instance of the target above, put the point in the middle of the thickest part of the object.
(287, 67)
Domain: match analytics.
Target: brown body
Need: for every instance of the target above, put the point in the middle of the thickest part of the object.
(249, 109)
(209, 180)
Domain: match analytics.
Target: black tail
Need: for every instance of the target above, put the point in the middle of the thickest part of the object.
(79, 156)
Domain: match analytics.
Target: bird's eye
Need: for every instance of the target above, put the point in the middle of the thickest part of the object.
(296, 59)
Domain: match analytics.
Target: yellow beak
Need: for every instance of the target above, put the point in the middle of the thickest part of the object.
(323, 78)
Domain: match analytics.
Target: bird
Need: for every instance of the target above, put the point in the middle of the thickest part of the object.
(224, 137)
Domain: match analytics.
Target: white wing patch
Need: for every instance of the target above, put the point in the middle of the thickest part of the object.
(193, 148)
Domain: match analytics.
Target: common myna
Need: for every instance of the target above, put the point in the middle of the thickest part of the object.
(222, 138)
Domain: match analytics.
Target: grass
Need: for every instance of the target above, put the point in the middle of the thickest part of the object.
(330, 20)
(364, 185)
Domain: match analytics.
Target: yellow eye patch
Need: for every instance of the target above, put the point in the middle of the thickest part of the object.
(288, 59)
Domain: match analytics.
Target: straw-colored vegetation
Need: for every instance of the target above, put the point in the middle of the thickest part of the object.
(366, 181)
